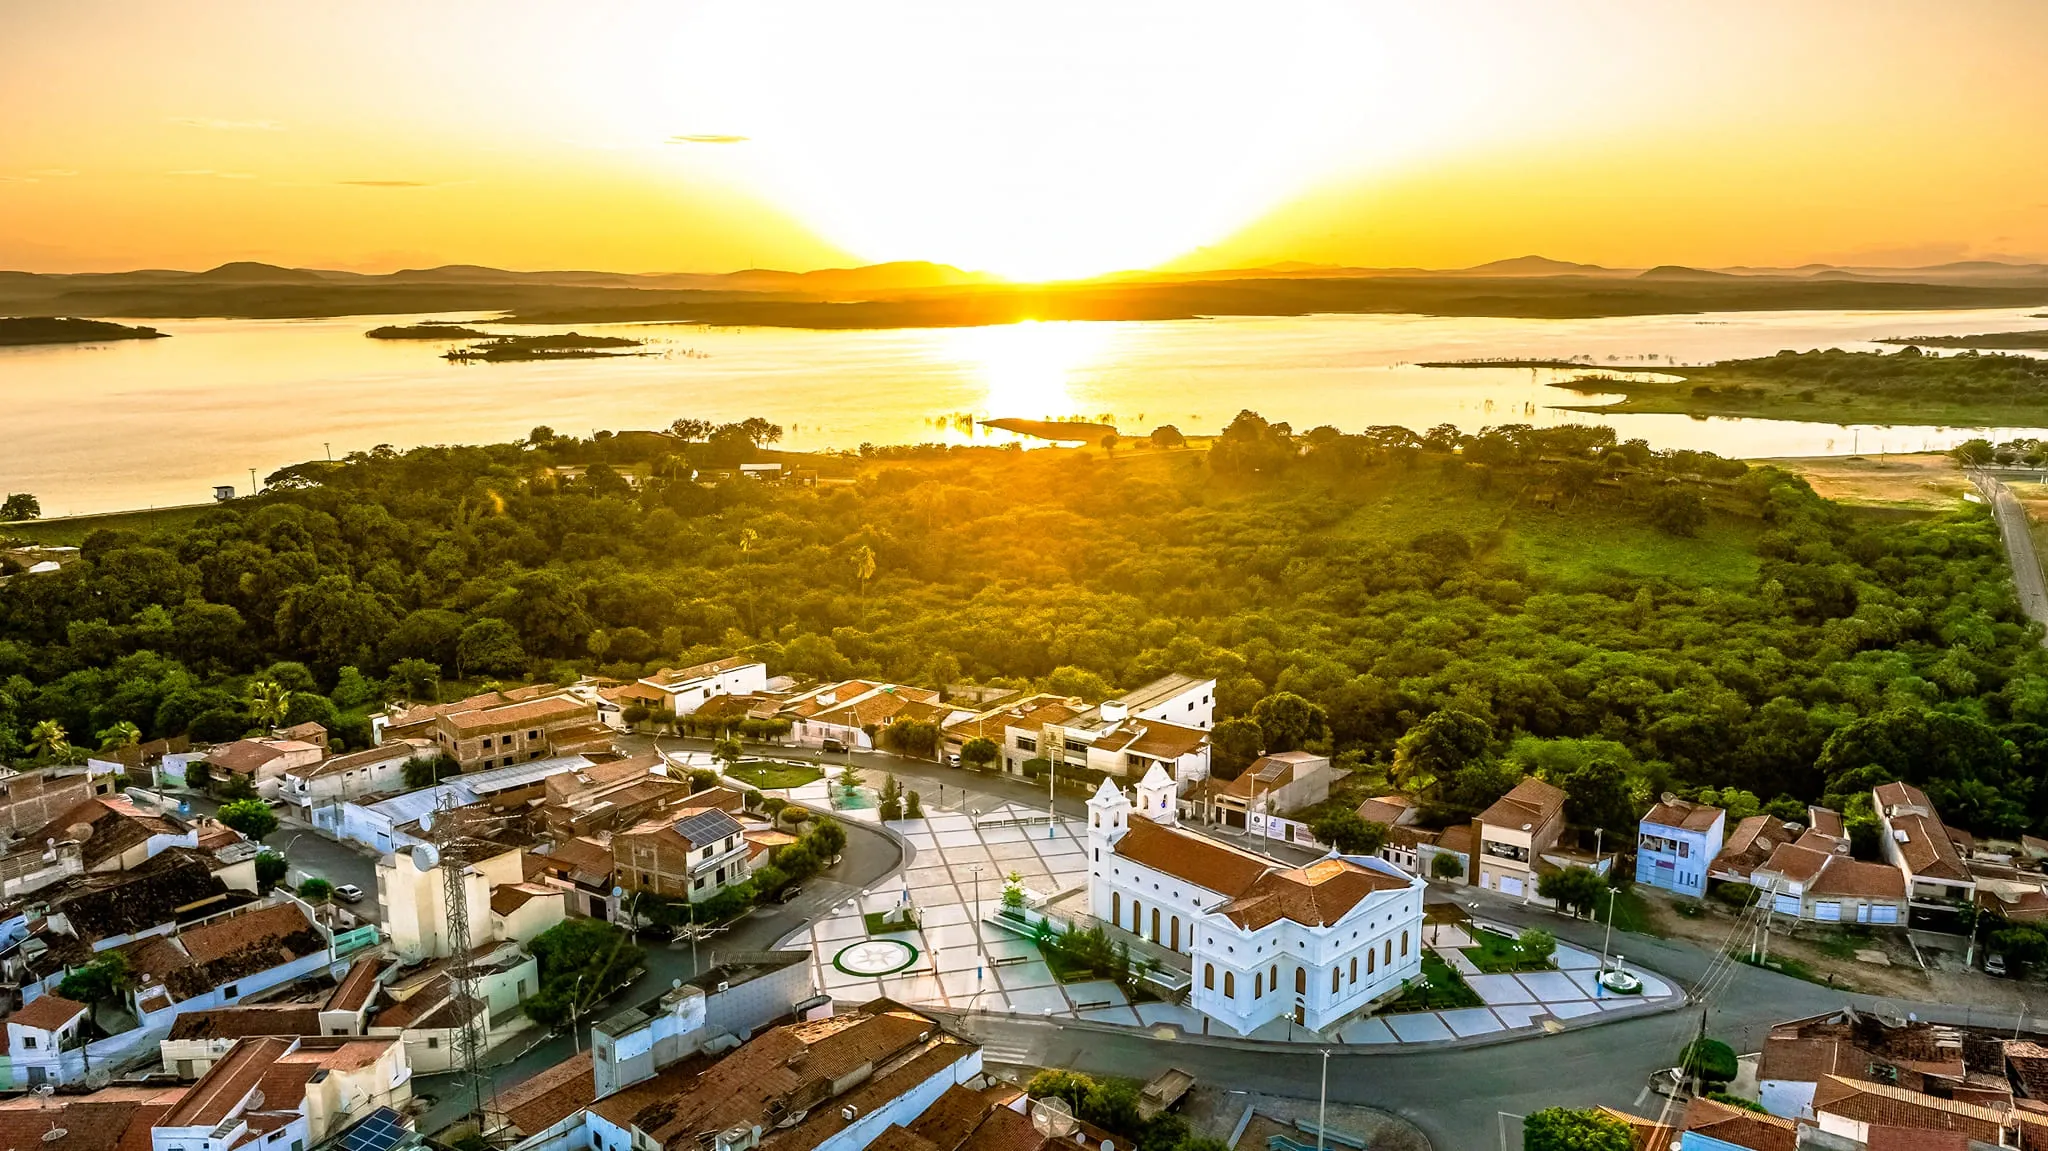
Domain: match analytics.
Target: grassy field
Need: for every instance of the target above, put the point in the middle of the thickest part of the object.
(1865, 390)
(71, 531)
(772, 776)
(1931, 480)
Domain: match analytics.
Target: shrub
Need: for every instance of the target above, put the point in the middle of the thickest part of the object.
(1710, 1059)
(251, 817)
(1572, 1129)
(1444, 865)
(316, 890)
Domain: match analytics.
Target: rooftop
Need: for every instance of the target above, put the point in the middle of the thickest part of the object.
(1683, 813)
(1314, 896)
(1195, 858)
(47, 1012)
(677, 677)
(1529, 805)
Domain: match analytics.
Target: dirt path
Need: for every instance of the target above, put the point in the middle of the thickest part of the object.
(2019, 546)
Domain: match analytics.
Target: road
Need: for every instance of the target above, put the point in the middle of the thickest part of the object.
(309, 854)
(870, 856)
(2019, 545)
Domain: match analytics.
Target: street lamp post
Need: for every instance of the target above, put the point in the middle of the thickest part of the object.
(1323, 1099)
(980, 947)
(1609, 937)
(575, 994)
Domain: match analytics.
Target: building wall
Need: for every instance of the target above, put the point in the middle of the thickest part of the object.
(744, 680)
(531, 918)
(380, 775)
(1501, 874)
(1682, 870)
(1195, 707)
(661, 863)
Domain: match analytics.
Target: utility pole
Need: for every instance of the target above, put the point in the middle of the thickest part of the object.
(1323, 1100)
(252, 481)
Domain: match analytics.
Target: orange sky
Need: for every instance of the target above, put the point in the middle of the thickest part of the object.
(1034, 140)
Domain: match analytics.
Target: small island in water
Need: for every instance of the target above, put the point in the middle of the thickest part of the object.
(2037, 338)
(570, 346)
(19, 330)
(430, 330)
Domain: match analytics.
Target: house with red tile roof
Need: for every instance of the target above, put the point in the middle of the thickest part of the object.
(1164, 723)
(1513, 833)
(1815, 880)
(1259, 941)
(681, 691)
(1924, 850)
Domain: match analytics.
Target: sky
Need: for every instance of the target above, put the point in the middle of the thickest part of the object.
(1041, 140)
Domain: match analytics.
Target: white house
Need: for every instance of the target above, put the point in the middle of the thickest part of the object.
(684, 690)
(1317, 944)
(341, 778)
(1677, 843)
(1164, 723)
(1922, 848)
(383, 823)
(410, 888)
(39, 1034)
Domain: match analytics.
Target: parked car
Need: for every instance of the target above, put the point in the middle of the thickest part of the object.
(349, 893)
(1994, 964)
(834, 745)
(788, 893)
(1671, 1081)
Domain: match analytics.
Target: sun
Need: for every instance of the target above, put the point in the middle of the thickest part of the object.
(1096, 139)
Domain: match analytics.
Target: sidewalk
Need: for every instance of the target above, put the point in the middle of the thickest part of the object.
(955, 962)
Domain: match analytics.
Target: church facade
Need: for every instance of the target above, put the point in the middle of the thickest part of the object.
(1318, 944)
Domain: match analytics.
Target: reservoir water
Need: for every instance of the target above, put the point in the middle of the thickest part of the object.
(101, 427)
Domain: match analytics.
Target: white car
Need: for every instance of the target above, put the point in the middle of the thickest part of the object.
(349, 893)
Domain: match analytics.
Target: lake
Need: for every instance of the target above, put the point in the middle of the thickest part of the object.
(154, 422)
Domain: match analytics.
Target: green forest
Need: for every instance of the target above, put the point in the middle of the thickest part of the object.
(1442, 608)
(1834, 386)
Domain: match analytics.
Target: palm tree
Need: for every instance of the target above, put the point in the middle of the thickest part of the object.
(748, 538)
(120, 735)
(864, 566)
(49, 739)
(269, 702)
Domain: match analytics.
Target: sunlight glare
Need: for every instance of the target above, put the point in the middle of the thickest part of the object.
(1026, 370)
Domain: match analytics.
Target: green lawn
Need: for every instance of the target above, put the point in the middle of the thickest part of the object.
(1591, 543)
(1498, 954)
(1439, 989)
(886, 922)
(1631, 913)
(772, 776)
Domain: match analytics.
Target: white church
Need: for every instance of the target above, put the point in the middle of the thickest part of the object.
(1319, 943)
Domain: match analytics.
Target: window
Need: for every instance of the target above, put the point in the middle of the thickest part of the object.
(28, 1041)
(487, 741)
(1229, 985)
(1116, 907)
(1389, 958)
(231, 991)
(1259, 985)
(533, 734)
(1354, 970)
(1404, 943)
(432, 1043)
(1273, 976)
(1209, 976)
(1370, 957)
(1335, 975)
(1301, 981)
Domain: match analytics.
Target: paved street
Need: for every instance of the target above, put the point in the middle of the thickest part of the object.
(869, 857)
(309, 854)
(2019, 544)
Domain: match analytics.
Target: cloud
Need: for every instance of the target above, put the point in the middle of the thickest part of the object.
(707, 139)
(209, 172)
(19, 180)
(385, 183)
(54, 172)
(216, 125)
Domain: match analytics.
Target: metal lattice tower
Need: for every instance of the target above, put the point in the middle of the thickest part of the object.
(453, 849)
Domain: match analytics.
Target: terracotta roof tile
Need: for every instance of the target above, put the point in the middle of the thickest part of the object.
(1741, 1126)
(539, 1102)
(249, 1019)
(1857, 878)
(1888, 795)
(1532, 803)
(1314, 896)
(1194, 858)
(1684, 814)
(1927, 848)
(48, 1012)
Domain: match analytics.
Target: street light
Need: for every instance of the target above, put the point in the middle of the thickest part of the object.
(980, 947)
(1323, 1100)
(1609, 938)
(576, 993)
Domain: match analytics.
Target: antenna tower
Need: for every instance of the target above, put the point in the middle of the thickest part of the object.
(454, 850)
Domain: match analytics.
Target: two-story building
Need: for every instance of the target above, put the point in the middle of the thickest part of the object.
(1272, 785)
(689, 853)
(1264, 942)
(1164, 724)
(505, 734)
(853, 712)
(498, 901)
(1509, 836)
(1917, 843)
(1676, 845)
(681, 691)
(263, 762)
(1813, 879)
(340, 778)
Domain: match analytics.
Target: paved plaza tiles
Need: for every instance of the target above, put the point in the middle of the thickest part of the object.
(957, 858)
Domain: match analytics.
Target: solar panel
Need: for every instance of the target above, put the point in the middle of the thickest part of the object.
(706, 827)
(380, 1130)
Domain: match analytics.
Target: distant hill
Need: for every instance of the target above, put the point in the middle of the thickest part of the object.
(250, 272)
(1681, 272)
(1536, 266)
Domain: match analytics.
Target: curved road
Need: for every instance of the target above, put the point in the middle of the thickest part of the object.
(2019, 545)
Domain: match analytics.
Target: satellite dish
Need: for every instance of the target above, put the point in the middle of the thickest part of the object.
(97, 1078)
(1668, 797)
(618, 893)
(1052, 1117)
(79, 831)
(54, 1134)
(255, 1101)
(425, 856)
(426, 821)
